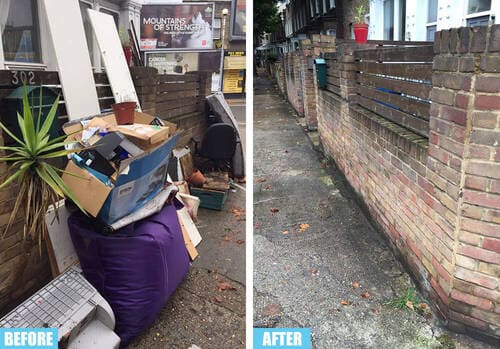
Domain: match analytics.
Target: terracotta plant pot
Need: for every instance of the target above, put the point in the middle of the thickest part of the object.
(124, 112)
(197, 179)
(360, 32)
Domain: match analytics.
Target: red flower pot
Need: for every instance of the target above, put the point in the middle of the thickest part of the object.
(360, 32)
(124, 112)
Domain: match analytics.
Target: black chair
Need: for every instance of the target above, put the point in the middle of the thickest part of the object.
(218, 145)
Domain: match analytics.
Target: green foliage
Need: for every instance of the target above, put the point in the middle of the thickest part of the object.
(359, 14)
(410, 300)
(265, 17)
(29, 163)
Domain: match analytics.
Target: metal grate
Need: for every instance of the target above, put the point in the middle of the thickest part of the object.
(54, 304)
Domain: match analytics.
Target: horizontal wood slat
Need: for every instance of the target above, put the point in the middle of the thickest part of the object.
(408, 105)
(397, 54)
(417, 71)
(411, 88)
(418, 125)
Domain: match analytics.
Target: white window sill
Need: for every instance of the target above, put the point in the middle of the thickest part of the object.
(24, 66)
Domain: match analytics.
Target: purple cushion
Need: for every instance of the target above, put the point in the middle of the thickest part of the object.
(136, 269)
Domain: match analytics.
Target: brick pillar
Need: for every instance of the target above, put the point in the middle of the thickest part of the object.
(464, 173)
(306, 56)
(297, 73)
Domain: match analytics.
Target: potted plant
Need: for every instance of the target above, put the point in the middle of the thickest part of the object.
(359, 25)
(30, 163)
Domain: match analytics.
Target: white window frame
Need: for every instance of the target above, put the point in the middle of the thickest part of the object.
(44, 47)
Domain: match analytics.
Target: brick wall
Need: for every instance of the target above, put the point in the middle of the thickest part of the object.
(436, 199)
(464, 170)
(300, 79)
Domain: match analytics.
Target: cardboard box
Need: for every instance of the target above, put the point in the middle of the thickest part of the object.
(139, 179)
(144, 135)
(109, 120)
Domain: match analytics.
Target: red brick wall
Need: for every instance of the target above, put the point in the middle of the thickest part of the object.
(437, 200)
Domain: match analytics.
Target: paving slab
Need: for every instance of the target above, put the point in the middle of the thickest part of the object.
(318, 262)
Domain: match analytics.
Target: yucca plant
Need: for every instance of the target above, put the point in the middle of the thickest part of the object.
(40, 184)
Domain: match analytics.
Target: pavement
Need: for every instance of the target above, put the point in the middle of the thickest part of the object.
(208, 309)
(318, 262)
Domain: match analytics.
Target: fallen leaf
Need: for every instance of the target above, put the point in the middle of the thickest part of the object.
(274, 210)
(271, 310)
(217, 299)
(344, 302)
(260, 180)
(423, 307)
(409, 304)
(267, 187)
(304, 227)
(239, 242)
(285, 232)
(223, 286)
(365, 295)
(314, 272)
(355, 284)
(226, 238)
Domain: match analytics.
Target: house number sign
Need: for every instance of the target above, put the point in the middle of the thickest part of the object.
(21, 77)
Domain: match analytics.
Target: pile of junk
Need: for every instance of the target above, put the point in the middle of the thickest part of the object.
(116, 266)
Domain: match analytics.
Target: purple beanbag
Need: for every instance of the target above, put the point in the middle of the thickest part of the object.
(136, 269)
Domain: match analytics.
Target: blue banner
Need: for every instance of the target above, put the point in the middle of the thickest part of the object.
(282, 338)
(28, 338)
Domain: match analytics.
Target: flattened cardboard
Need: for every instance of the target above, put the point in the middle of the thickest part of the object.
(90, 192)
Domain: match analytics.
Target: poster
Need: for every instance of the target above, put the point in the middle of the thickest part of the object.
(238, 21)
(177, 63)
(179, 26)
(234, 81)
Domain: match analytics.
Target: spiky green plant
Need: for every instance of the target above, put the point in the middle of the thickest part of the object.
(40, 185)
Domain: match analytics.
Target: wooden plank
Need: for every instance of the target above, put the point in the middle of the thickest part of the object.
(169, 96)
(173, 114)
(416, 89)
(417, 125)
(165, 105)
(418, 71)
(408, 105)
(191, 249)
(178, 78)
(397, 54)
(178, 86)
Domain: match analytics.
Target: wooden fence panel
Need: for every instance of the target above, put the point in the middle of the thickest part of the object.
(395, 82)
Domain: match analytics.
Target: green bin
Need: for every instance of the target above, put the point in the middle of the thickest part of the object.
(13, 103)
(320, 64)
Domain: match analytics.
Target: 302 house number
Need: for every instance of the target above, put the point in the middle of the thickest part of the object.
(23, 77)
